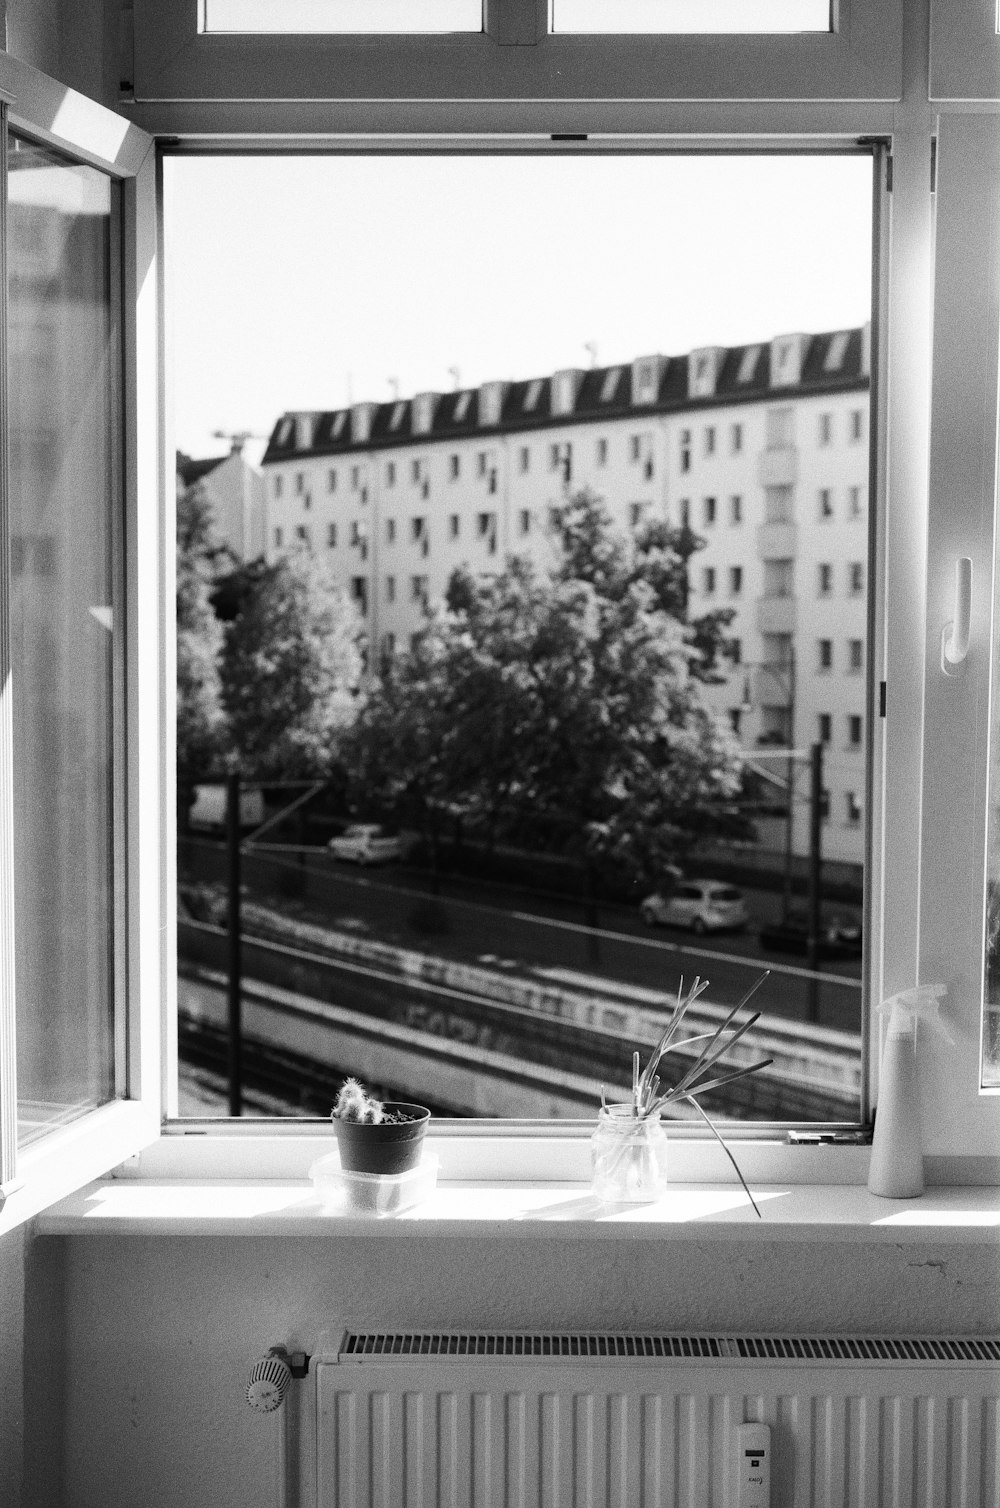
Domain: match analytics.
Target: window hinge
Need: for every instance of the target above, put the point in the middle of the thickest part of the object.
(933, 164)
(881, 699)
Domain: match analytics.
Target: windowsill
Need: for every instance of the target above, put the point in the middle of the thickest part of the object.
(700, 1212)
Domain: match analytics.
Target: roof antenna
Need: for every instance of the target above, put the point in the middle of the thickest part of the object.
(456, 377)
(591, 346)
(394, 384)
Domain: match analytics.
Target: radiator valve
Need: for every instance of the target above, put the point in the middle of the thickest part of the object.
(269, 1379)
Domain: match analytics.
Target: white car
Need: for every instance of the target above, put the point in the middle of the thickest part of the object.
(700, 905)
(367, 843)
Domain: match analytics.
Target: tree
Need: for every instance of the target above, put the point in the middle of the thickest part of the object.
(566, 695)
(291, 669)
(201, 724)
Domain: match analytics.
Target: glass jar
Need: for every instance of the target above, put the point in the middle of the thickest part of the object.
(628, 1156)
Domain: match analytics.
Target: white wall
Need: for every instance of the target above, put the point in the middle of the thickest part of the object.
(160, 1333)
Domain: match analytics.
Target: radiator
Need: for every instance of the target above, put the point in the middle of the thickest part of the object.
(439, 1420)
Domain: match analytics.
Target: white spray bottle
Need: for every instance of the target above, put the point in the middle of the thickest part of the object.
(896, 1170)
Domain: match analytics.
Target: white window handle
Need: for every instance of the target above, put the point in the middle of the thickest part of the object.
(955, 635)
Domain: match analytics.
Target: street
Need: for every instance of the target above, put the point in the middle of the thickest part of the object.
(511, 928)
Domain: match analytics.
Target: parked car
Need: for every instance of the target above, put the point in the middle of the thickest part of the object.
(840, 937)
(368, 843)
(700, 905)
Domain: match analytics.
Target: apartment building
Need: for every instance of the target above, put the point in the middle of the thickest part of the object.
(762, 449)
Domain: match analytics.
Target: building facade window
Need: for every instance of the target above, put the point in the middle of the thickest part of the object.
(279, 538)
(601, 452)
(708, 581)
(855, 502)
(824, 657)
(390, 531)
(825, 435)
(524, 459)
(331, 536)
(300, 483)
(524, 521)
(824, 727)
(390, 473)
(685, 456)
(854, 729)
(825, 504)
(856, 655)
(331, 479)
(852, 814)
(279, 484)
(856, 578)
(736, 509)
(735, 580)
(390, 589)
(454, 467)
(454, 525)
(824, 578)
(857, 425)
(710, 439)
(735, 439)
(708, 512)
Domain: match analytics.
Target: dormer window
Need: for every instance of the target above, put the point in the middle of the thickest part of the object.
(564, 387)
(339, 421)
(786, 360)
(748, 365)
(361, 422)
(396, 418)
(491, 396)
(285, 430)
(532, 395)
(703, 368)
(423, 412)
(836, 350)
(304, 432)
(646, 379)
(610, 384)
(461, 407)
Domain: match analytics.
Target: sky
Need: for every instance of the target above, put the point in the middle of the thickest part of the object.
(312, 282)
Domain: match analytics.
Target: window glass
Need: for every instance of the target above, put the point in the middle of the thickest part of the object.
(64, 417)
(523, 905)
(690, 16)
(290, 17)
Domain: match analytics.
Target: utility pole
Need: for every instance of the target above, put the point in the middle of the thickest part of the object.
(815, 862)
(235, 948)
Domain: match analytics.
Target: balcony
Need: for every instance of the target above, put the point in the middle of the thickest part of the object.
(770, 685)
(776, 615)
(779, 467)
(777, 541)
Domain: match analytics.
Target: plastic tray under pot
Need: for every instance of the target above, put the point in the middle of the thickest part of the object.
(388, 1149)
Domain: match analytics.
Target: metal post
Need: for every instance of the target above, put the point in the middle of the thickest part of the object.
(235, 955)
(786, 888)
(815, 860)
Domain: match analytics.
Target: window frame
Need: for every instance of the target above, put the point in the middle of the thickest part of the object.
(908, 929)
(515, 57)
(44, 110)
(494, 1137)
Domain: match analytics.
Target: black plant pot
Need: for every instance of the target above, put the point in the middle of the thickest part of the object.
(390, 1147)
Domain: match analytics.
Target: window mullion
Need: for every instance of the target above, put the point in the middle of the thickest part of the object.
(8, 1044)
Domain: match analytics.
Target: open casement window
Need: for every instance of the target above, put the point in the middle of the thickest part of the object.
(516, 58)
(960, 1094)
(79, 551)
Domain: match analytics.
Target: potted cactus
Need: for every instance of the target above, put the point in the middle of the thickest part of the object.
(374, 1137)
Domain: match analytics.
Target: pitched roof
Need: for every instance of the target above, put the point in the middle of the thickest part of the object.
(830, 362)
